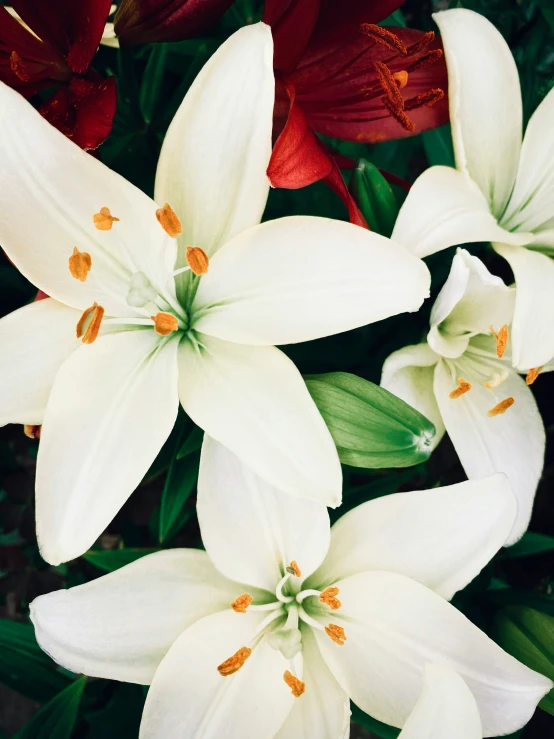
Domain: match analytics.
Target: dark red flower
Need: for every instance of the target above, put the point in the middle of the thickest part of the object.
(56, 52)
(341, 75)
(146, 21)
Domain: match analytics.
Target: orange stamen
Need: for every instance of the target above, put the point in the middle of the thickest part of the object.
(18, 68)
(241, 603)
(165, 323)
(293, 569)
(425, 98)
(389, 84)
(169, 221)
(463, 387)
(382, 36)
(401, 78)
(533, 373)
(501, 407)
(398, 114)
(90, 333)
(297, 686)
(234, 663)
(336, 633)
(425, 61)
(328, 597)
(80, 263)
(104, 219)
(198, 260)
(501, 340)
(32, 431)
(423, 42)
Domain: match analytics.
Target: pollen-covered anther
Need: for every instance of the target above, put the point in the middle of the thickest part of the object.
(501, 340)
(383, 36)
(165, 323)
(422, 43)
(234, 663)
(103, 220)
(533, 373)
(425, 98)
(397, 112)
(32, 430)
(329, 598)
(198, 260)
(501, 407)
(169, 221)
(80, 263)
(401, 78)
(241, 603)
(463, 388)
(89, 323)
(389, 84)
(336, 633)
(425, 61)
(18, 68)
(293, 569)
(296, 685)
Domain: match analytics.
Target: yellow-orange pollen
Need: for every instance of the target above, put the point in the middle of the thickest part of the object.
(501, 407)
(104, 219)
(198, 260)
(401, 78)
(501, 340)
(89, 323)
(80, 263)
(336, 633)
(18, 68)
(234, 663)
(165, 323)
(329, 598)
(533, 373)
(296, 686)
(169, 221)
(33, 432)
(293, 569)
(463, 387)
(241, 603)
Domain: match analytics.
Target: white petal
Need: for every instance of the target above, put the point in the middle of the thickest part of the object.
(532, 334)
(446, 708)
(50, 191)
(485, 103)
(212, 168)
(531, 207)
(121, 626)
(394, 626)
(35, 340)
(112, 406)
(253, 400)
(445, 208)
(441, 537)
(323, 711)
(512, 442)
(269, 528)
(408, 373)
(299, 278)
(189, 698)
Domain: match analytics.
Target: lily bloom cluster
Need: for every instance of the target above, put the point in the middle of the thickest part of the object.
(180, 302)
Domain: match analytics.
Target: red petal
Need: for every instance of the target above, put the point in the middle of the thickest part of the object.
(292, 23)
(336, 182)
(145, 21)
(338, 18)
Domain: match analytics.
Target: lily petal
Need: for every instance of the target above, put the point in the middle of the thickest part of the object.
(254, 401)
(268, 529)
(394, 626)
(445, 208)
(189, 698)
(112, 406)
(441, 537)
(512, 442)
(299, 278)
(35, 341)
(485, 103)
(121, 626)
(446, 708)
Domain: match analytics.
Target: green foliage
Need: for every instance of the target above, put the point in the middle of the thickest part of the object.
(377, 727)
(438, 146)
(112, 559)
(530, 543)
(57, 718)
(374, 197)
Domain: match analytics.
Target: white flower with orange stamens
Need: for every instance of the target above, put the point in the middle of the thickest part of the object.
(462, 379)
(178, 303)
(270, 631)
(502, 189)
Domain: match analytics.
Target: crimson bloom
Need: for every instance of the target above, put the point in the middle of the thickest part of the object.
(55, 50)
(341, 75)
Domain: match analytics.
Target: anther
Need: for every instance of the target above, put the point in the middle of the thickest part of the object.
(234, 663)
(398, 114)
(336, 633)
(389, 84)
(32, 431)
(463, 387)
(425, 61)
(80, 263)
(401, 78)
(95, 313)
(296, 686)
(165, 323)
(425, 98)
(169, 221)
(328, 598)
(293, 569)
(104, 219)
(501, 340)
(533, 373)
(382, 36)
(198, 260)
(18, 68)
(501, 407)
(423, 42)
(241, 603)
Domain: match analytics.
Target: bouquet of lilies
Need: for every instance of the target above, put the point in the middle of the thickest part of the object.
(258, 259)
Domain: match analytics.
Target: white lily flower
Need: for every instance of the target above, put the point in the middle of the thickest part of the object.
(502, 189)
(316, 617)
(463, 380)
(93, 242)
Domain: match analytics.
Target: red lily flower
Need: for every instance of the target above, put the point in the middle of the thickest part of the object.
(56, 50)
(342, 76)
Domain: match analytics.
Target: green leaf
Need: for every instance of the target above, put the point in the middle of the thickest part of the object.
(179, 484)
(193, 442)
(112, 559)
(152, 81)
(24, 667)
(370, 426)
(377, 727)
(528, 635)
(374, 197)
(56, 720)
(547, 10)
(438, 146)
(530, 543)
